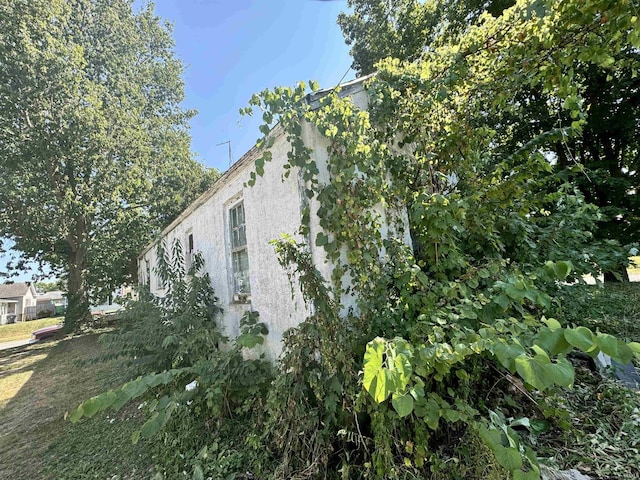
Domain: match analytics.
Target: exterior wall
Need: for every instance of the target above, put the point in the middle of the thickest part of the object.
(272, 207)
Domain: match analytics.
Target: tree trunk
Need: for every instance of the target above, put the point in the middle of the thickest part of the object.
(78, 296)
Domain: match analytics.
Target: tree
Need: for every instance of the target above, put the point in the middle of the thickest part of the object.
(94, 146)
(50, 286)
(405, 29)
(603, 162)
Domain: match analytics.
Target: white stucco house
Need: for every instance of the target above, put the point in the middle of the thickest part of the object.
(232, 224)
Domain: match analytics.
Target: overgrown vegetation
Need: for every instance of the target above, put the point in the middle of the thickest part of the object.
(192, 392)
(465, 370)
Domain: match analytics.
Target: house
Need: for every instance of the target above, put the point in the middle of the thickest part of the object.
(54, 303)
(232, 224)
(14, 298)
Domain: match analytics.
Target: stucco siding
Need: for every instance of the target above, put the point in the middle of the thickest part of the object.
(272, 207)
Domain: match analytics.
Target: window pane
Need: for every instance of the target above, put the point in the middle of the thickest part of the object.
(241, 272)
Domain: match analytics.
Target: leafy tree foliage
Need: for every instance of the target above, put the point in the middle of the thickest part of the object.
(494, 229)
(94, 146)
(405, 29)
(603, 161)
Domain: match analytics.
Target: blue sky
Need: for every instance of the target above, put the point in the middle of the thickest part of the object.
(235, 48)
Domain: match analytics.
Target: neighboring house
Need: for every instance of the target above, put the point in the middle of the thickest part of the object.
(54, 302)
(14, 298)
(232, 224)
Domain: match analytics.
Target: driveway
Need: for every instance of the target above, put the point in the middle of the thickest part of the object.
(15, 343)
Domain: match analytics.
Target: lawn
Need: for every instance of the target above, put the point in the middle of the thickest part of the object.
(38, 384)
(23, 330)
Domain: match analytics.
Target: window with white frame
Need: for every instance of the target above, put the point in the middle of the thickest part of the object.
(239, 254)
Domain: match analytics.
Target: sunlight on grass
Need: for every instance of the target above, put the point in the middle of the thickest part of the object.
(11, 385)
(23, 330)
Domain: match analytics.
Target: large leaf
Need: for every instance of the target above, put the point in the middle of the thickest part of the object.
(507, 354)
(509, 458)
(376, 378)
(582, 338)
(533, 371)
(553, 341)
(608, 344)
(561, 372)
(402, 404)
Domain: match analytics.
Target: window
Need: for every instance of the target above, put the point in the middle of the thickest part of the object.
(239, 254)
(188, 257)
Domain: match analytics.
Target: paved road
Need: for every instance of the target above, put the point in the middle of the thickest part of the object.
(14, 344)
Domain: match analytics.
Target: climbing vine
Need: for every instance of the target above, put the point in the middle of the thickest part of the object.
(493, 232)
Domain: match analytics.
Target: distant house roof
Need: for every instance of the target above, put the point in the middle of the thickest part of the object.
(53, 295)
(13, 290)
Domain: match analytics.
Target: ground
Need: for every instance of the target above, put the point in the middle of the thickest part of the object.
(38, 385)
(22, 330)
(41, 382)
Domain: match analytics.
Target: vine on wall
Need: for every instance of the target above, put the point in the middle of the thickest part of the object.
(493, 232)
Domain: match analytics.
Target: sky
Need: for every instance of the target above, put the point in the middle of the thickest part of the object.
(235, 48)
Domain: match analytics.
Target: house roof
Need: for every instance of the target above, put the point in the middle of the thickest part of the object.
(13, 290)
(53, 295)
(313, 99)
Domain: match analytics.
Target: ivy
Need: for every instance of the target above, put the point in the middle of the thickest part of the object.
(493, 233)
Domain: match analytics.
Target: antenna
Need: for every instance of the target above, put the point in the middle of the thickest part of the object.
(228, 142)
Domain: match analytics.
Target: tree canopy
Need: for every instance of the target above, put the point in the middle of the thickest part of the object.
(94, 142)
(602, 160)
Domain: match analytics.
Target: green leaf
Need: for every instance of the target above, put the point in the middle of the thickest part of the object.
(91, 406)
(553, 341)
(260, 166)
(402, 353)
(198, 474)
(608, 344)
(533, 372)
(522, 475)
(582, 338)
(635, 348)
(135, 388)
(321, 239)
(561, 372)
(376, 378)
(503, 301)
(507, 354)
(552, 323)
(562, 269)
(76, 414)
(249, 340)
(625, 354)
(509, 458)
(402, 404)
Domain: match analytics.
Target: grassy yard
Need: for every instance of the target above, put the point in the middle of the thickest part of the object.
(41, 382)
(22, 330)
